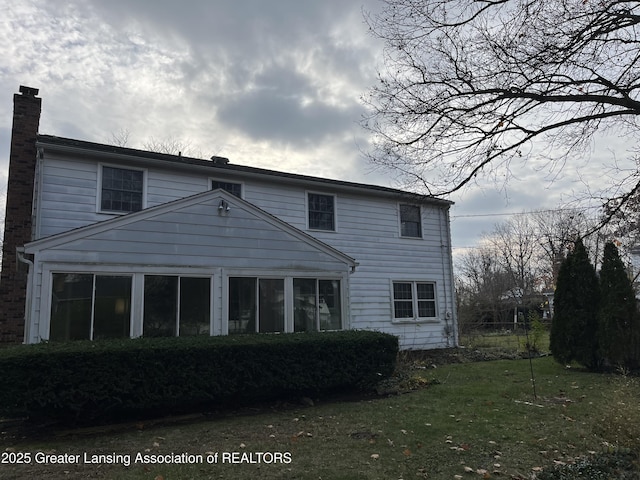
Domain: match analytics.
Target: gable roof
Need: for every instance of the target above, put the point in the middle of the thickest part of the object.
(200, 198)
(221, 166)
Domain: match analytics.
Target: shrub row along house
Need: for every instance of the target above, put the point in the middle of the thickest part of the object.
(104, 241)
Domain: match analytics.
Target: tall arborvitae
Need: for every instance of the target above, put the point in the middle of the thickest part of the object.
(618, 320)
(575, 320)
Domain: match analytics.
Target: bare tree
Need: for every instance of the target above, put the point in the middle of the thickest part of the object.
(557, 230)
(473, 87)
(481, 289)
(516, 245)
(121, 137)
(172, 146)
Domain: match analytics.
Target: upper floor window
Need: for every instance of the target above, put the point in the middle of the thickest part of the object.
(121, 190)
(321, 211)
(410, 221)
(232, 188)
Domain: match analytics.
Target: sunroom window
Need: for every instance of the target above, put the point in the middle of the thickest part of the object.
(176, 305)
(317, 305)
(256, 305)
(88, 306)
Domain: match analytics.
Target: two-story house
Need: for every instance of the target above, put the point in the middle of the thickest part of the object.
(104, 241)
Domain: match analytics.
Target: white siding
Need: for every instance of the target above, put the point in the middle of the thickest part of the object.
(368, 230)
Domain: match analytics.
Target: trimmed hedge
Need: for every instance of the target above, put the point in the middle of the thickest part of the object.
(96, 380)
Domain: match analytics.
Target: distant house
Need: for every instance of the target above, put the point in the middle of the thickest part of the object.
(104, 241)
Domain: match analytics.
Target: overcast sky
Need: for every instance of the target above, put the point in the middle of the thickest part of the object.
(273, 84)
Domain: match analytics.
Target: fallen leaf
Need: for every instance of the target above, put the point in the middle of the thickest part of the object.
(159, 477)
(406, 452)
(375, 456)
(468, 469)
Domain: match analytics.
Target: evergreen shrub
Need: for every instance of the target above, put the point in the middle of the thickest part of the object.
(574, 329)
(102, 379)
(618, 328)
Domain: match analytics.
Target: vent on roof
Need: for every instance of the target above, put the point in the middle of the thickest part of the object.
(220, 160)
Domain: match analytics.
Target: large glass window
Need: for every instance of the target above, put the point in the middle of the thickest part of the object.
(256, 305)
(271, 305)
(176, 306)
(317, 305)
(88, 306)
(321, 212)
(242, 305)
(122, 189)
(414, 300)
(330, 304)
(195, 306)
(410, 221)
(305, 305)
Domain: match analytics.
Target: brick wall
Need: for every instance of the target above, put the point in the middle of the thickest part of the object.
(17, 227)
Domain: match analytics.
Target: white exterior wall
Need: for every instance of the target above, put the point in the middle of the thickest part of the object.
(367, 229)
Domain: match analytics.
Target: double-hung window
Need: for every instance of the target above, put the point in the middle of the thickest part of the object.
(410, 221)
(414, 300)
(232, 188)
(321, 210)
(176, 306)
(90, 307)
(122, 190)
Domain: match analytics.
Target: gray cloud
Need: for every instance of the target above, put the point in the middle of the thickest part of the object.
(274, 84)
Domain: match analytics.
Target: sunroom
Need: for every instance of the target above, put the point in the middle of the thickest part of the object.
(185, 268)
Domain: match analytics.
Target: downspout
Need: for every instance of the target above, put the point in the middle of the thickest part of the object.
(446, 251)
(27, 307)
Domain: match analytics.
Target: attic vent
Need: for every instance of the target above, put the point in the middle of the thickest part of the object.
(220, 160)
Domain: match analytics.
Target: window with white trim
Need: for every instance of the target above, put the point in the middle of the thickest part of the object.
(321, 211)
(122, 190)
(176, 306)
(256, 305)
(317, 305)
(85, 306)
(232, 188)
(259, 305)
(410, 221)
(414, 300)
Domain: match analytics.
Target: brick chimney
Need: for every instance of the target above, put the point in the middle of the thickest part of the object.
(19, 206)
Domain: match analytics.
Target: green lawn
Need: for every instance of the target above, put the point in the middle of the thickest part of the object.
(475, 420)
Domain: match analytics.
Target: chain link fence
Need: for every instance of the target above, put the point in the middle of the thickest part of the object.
(510, 337)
